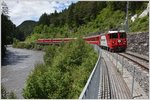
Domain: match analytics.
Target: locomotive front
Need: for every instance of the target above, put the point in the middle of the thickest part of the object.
(117, 40)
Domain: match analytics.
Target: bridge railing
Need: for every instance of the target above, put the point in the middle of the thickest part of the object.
(91, 88)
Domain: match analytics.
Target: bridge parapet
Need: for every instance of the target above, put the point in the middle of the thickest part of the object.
(91, 88)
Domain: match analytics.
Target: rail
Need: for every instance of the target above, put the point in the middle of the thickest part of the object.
(136, 62)
(90, 91)
(105, 84)
(138, 74)
(143, 57)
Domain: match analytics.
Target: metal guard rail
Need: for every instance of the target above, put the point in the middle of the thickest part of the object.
(85, 94)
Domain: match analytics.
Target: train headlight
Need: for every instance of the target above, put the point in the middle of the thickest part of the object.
(119, 41)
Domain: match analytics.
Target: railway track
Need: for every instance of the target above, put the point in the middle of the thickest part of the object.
(139, 57)
(138, 66)
(142, 62)
(112, 86)
(104, 89)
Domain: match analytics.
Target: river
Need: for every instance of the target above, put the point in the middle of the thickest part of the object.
(16, 66)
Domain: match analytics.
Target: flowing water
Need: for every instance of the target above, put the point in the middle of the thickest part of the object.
(16, 66)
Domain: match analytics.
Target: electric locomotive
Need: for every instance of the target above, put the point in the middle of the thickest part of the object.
(114, 41)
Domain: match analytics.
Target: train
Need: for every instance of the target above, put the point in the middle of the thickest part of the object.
(55, 40)
(114, 41)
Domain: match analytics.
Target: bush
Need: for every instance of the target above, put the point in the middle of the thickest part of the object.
(38, 47)
(28, 45)
(12, 95)
(64, 73)
(15, 42)
(140, 24)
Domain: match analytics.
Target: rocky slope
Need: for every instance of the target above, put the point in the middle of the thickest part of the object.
(139, 43)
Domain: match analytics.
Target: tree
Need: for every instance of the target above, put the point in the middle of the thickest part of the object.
(70, 16)
(134, 6)
(44, 19)
(7, 28)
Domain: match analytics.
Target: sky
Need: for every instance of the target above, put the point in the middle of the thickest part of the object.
(21, 10)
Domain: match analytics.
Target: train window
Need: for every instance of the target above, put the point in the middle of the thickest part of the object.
(122, 35)
(114, 35)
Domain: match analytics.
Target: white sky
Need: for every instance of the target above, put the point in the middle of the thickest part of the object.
(21, 10)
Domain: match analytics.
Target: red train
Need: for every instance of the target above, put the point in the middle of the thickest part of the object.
(112, 40)
(54, 41)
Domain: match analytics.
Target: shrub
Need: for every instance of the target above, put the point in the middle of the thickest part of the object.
(140, 24)
(64, 73)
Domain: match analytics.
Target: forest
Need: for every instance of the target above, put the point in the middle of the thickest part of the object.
(87, 18)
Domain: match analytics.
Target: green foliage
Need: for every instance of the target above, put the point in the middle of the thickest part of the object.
(26, 27)
(7, 33)
(117, 5)
(76, 15)
(28, 45)
(18, 34)
(34, 37)
(3, 51)
(70, 16)
(44, 19)
(102, 22)
(12, 95)
(85, 18)
(106, 23)
(64, 73)
(19, 44)
(136, 7)
(141, 24)
(15, 42)
(50, 53)
(36, 81)
(7, 30)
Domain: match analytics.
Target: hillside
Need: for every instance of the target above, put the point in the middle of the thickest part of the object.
(27, 27)
(85, 18)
